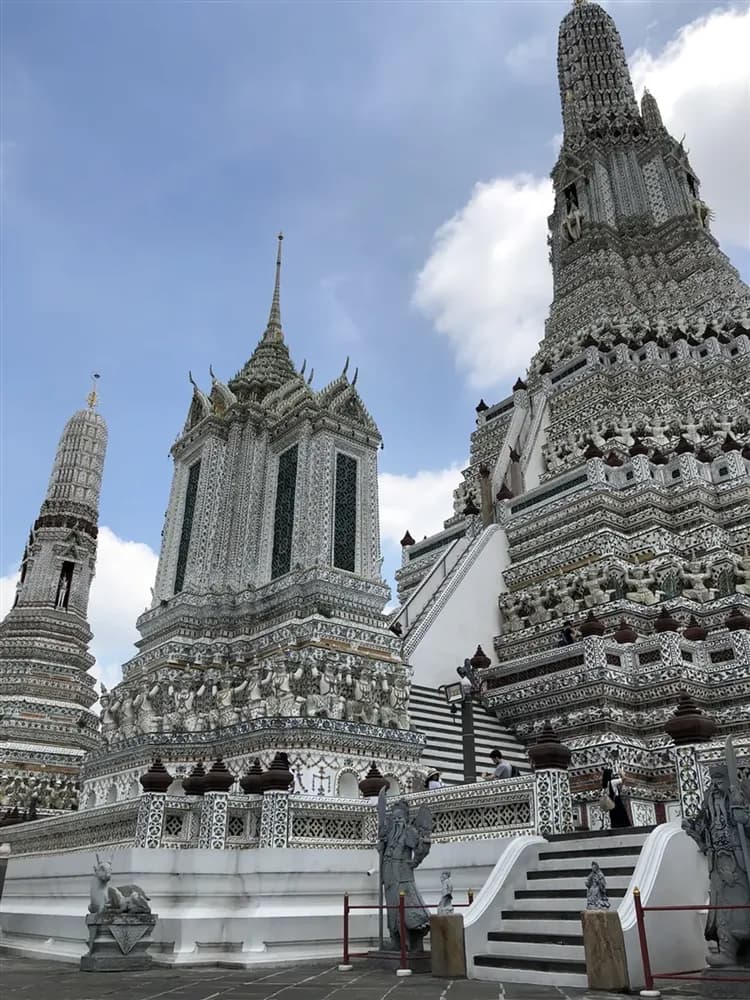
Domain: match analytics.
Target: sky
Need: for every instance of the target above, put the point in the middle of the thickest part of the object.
(150, 152)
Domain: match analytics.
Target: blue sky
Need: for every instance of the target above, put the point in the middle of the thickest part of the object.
(151, 151)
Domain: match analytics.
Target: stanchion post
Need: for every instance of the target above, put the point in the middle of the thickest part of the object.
(470, 896)
(345, 964)
(648, 979)
(403, 969)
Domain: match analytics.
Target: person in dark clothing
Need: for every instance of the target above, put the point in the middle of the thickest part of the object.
(567, 636)
(612, 785)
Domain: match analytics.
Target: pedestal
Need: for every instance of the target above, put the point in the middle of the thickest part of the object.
(716, 981)
(118, 942)
(604, 948)
(418, 961)
(447, 946)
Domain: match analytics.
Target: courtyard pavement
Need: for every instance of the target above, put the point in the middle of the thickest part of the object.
(25, 979)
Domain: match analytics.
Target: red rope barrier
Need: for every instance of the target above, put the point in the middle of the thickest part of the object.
(402, 927)
(345, 959)
(647, 977)
(690, 974)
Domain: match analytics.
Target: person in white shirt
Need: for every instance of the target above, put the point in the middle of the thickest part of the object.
(502, 767)
(433, 781)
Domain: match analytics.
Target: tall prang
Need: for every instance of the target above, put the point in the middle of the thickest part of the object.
(46, 692)
(266, 632)
(609, 492)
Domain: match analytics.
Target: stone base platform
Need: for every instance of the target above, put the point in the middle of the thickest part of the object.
(420, 962)
(118, 942)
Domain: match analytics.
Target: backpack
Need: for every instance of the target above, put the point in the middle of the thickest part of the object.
(606, 802)
(514, 771)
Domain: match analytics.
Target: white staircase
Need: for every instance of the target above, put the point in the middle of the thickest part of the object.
(443, 751)
(539, 939)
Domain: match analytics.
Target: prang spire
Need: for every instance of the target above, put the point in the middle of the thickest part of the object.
(273, 330)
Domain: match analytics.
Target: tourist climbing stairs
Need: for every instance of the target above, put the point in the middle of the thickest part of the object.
(538, 939)
(431, 715)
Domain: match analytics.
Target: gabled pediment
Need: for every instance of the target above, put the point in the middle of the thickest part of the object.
(349, 406)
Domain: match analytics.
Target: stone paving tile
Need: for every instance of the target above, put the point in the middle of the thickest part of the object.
(25, 979)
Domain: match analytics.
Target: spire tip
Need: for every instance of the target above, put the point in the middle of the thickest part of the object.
(93, 396)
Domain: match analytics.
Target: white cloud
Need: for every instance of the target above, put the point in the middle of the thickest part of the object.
(125, 572)
(701, 82)
(418, 503)
(524, 57)
(487, 283)
(7, 592)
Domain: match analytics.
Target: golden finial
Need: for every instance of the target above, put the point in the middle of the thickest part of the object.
(92, 397)
(579, 3)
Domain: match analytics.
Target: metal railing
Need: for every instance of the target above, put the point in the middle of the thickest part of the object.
(689, 974)
(403, 969)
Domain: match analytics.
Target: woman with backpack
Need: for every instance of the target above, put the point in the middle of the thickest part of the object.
(610, 800)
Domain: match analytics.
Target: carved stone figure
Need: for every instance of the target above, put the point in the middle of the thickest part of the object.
(127, 715)
(122, 899)
(445, 905)
(146, 719)
(403, 844)
(637, 588)
(595, 593)
(721, 830)
(572, 224)
(694, 586)
(701, 212)
(396, 712)
(182, 699)
(365, 707)
(596, 889)
(107, 715)
(122, 915)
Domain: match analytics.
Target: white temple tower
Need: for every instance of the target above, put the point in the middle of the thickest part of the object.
(613, 485)
(266, 630)
(45, 688)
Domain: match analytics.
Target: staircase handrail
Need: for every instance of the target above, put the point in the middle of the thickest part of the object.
(448, 583)
(440, 564)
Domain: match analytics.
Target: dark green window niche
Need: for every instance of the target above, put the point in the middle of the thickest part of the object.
(191, 495)
(283, 522)
(345, 513)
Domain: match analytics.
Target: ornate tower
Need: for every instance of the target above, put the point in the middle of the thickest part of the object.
(630, 237)
(45, 689)
(617, 474)
(265, 632)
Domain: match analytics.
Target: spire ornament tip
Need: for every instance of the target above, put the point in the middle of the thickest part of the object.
(93, 396)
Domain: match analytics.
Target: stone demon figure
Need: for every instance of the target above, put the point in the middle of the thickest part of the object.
(721, 831)
(403, 845)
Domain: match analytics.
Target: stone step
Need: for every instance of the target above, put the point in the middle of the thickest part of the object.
(535, 971)
(629, 831)
(548, 872)
(542, 951)
(542, 937)
(532, 913)
(548, 904)
(531, 977)
(611, 856)
(603, 844)
(566, 883)
(551, 922)
(556, 893)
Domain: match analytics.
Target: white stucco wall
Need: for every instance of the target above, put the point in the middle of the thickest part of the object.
(250, 907)
(465, 618)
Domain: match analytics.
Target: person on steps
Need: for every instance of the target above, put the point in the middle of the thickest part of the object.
(612, 785)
